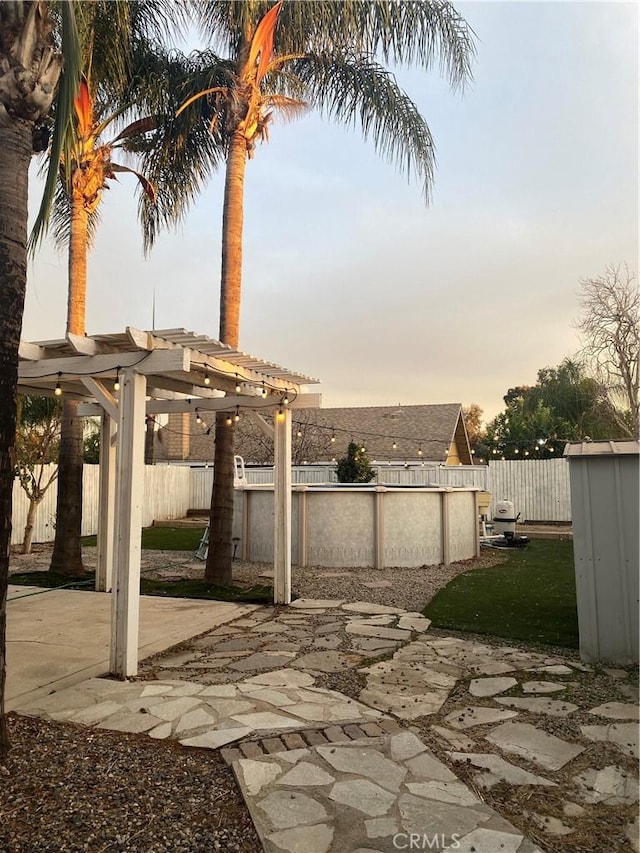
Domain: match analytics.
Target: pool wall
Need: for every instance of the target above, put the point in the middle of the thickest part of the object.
(375, 526)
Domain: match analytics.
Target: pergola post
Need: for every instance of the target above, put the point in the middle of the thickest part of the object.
(282, 507)
(130, 494)
(107, 506)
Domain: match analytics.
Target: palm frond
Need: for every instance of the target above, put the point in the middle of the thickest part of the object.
(400, 31)
(179, 157)
(287, 108)
(356, 91)
(68, 86)
(149, 189)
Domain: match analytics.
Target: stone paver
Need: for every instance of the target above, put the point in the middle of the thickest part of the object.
(498, 770)
(623, 735)
(543, 687)
(523, 739)
(554, 707)
(491, 686)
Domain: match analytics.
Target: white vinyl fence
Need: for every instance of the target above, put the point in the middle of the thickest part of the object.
(539, 489)
(166, 495)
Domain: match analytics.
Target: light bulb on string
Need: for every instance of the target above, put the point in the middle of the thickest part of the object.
(238, 386)
(299, 433)
(264, 391)
(237, 414)
(116, 384)
(198, 418)
(419, 451)
(333, 438)
(58, 389)
(228, 420)
(285, 399)
(207, 380)
(394, 445)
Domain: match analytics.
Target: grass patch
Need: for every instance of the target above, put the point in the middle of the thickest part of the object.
(164, 538)
(185, 588)
(530, 597)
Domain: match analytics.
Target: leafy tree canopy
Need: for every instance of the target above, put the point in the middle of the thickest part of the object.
(564, 405)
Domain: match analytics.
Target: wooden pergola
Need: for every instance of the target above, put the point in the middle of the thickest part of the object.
(159, 372)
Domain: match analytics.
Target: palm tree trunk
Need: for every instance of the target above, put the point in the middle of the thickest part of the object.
(218, 568)
(15, 156)
(67, 549)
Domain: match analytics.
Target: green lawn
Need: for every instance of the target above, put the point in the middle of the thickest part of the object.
(165, 538)
(530, 597)
(159, 539)
(186, 588)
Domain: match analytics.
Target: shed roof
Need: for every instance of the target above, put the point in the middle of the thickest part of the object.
(627, 447)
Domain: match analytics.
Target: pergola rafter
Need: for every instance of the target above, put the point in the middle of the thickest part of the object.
(159, 372)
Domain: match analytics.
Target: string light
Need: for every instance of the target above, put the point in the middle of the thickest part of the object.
(207, 380)
(238, 386)
(237, 414)
(419, 451)
(58, 390)
(228, 420)
(394, 445)
(299, 433)
(264, 391)
(285, 399)
(198, 418)
(116, 384)
(333, 438)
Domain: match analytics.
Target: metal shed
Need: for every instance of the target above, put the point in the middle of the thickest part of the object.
(604, 499)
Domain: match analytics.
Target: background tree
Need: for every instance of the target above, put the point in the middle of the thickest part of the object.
(37, 445)
(30, 68)
(310, 442)
(476, 431)
(354, 467)
(564, 405)
(610, 327)
(288, 57)
(91, 443)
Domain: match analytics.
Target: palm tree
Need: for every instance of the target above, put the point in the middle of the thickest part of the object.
(289, 56)
(30, 69)
(117, 42)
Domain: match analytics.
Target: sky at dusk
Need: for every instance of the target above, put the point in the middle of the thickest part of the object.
(349, 277)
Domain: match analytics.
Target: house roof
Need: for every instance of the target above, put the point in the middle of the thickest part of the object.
(419, 432)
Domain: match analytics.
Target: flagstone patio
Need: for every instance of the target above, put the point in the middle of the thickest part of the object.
(324, 770)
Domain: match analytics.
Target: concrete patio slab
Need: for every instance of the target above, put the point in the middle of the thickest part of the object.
(57, 638)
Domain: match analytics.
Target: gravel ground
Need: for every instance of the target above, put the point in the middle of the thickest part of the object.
(71, 788)
(68, 788)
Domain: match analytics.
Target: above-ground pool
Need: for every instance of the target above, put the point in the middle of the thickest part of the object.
(364, 525)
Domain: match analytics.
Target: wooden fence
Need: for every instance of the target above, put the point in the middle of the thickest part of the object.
(539, 489)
